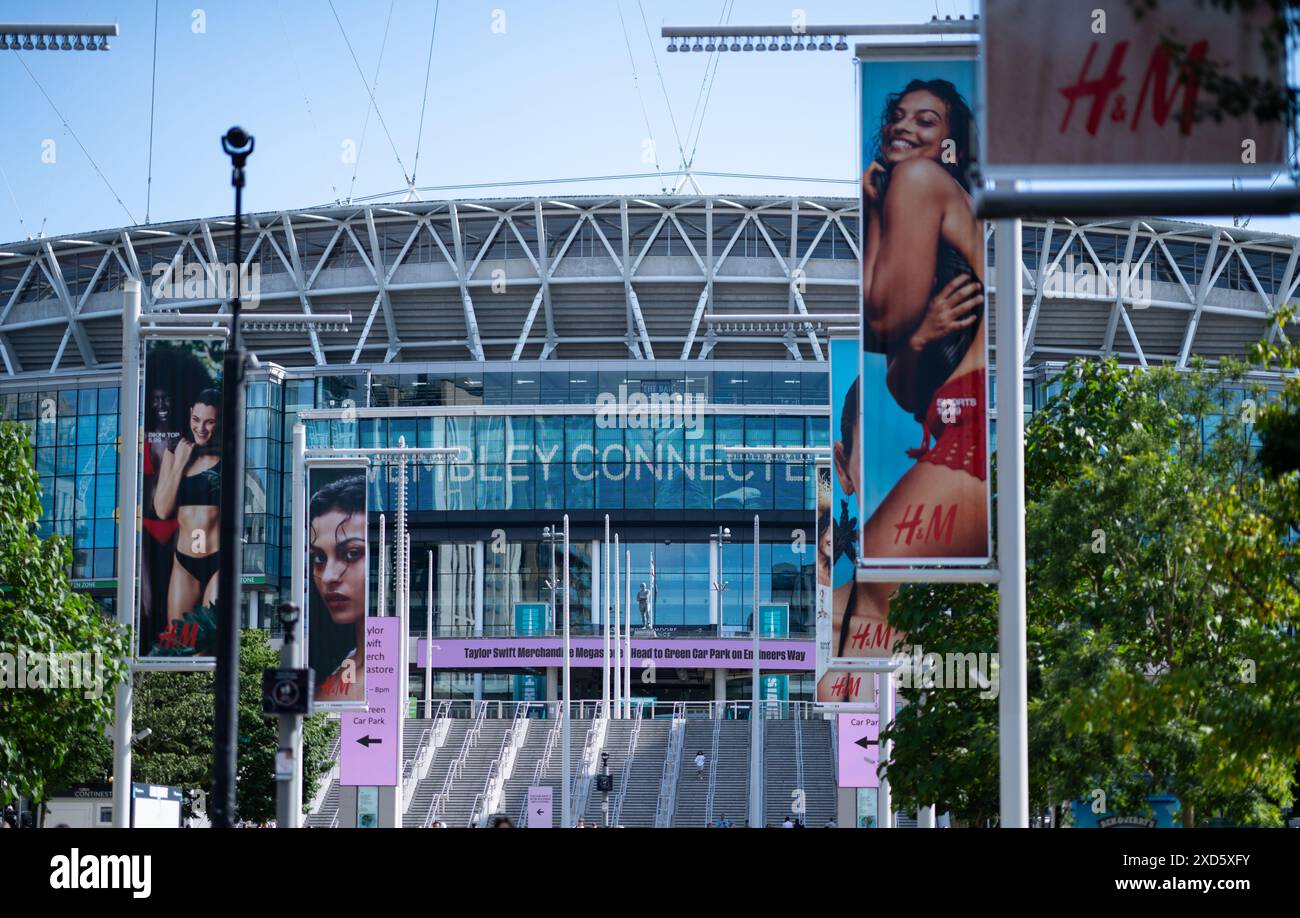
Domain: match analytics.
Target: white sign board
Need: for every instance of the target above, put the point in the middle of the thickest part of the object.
(539, 808)
(1076, 89)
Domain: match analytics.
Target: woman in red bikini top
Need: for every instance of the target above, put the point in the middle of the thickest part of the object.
(923, 307)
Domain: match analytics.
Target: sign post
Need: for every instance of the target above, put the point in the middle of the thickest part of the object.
(539, 808)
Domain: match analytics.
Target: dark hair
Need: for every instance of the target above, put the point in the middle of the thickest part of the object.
(177, 372)
(961, 124)
(211, 398)
(346, 495)
(849, 418)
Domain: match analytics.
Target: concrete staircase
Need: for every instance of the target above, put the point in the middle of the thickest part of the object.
(432, 783)
(781, 746)
(727, 773)
(642, 769)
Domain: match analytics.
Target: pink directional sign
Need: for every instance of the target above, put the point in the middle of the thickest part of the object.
(369, 753)
(859, 750)
(678, 653)
(539, 807)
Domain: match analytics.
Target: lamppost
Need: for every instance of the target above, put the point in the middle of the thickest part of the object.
(755, 736)
(60, 36)
(550, 536)
(716, 541)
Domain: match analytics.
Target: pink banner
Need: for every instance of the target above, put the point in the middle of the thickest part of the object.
(369, 739)
(514, 653)
(859, 750)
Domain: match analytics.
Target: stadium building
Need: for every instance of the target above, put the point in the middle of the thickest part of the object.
(509, 327)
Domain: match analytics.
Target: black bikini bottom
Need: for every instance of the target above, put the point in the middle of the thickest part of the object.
(201, 569)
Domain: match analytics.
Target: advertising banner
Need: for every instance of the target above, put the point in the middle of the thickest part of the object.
(512, 653)
(922, 473)
(859, 750)
(180, 512)
(368, 742)
(337, 583)
(1074, 89)
(846, 634)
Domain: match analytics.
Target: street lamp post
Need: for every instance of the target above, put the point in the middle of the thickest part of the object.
(238, 145)
(755, 737)
(566, 794)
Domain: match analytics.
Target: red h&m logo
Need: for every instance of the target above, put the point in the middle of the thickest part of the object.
(1102, 89)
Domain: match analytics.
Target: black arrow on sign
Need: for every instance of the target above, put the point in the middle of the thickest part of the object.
(865, 742)
(369, 741)
(539, 811)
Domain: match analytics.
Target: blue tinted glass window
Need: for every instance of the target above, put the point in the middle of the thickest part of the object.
(789, 431)
(554, 388)
(525, 387)
(107, 432)
(519, 485)
(87, 427)
(580, 483)
(491, 486)
(758, 431)
(728, 387)
(815, 389)
(496, 388)
(491, 433)
(106, 458)
(66, 433)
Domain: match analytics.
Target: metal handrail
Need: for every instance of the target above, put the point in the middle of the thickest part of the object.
(713, 771)
(627, 765)
(798, 755)
(539, 770)
(668, 775)
(439, 801)
(581, 784)
(412, 767)
(498, 767)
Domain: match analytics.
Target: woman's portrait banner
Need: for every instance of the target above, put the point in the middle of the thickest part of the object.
(180, 497)
(338, 583)
(920, 458)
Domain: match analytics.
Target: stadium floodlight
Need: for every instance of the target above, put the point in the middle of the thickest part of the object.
(842, 44)
(697, 47)
(735, 45)
(798, 43)
(825, 45)
(709, 46)
(749, 44)
(56, 37)
(785, 44)
(723, 46)
(814, 38)
(761, 45)
(672, 48)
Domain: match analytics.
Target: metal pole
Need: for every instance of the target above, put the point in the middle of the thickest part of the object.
(128, 471)
(617, 662)
(1013, 726)
(885, 800)
(383, 567)
(627, 635)
(230, 542)
(567, 790)
(428, 643)
(288, 811)
(755, 741)
(606, 661)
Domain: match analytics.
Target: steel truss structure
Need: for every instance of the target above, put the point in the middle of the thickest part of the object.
(622, 277)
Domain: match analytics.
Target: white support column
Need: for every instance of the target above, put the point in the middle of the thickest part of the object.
(617, 659)
(884, 799)
(627, 647)
(596, 603)
(566, 756)
(128, 470)
(254, 606)
(298, 596)
(428, 642)
(1013, 725)
(715, 611)
(479, 581)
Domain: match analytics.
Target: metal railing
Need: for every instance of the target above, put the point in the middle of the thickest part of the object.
(672, 768)
(591, 746)
(627, 766)
(411, 770)
(552, 740)
(439, 801)
(798, 756)
(713, 772)
(498, 770)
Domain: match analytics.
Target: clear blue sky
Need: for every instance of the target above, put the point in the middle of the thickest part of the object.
(551, 97)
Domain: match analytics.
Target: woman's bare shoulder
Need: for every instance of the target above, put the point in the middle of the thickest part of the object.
(923, 176)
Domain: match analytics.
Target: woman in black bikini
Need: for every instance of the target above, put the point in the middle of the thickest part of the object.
(189, 487)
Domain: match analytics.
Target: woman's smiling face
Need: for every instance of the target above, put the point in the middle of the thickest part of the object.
(916, 129)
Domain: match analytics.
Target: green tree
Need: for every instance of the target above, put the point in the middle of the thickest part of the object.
(1139, 632)
(40, 613)
(178, 709)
